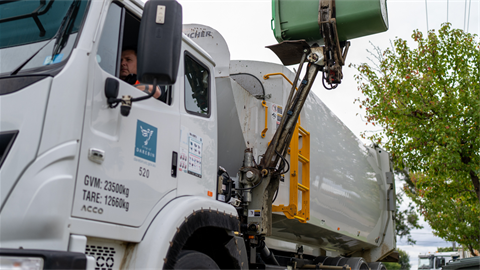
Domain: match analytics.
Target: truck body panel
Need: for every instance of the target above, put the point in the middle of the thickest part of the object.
(348, 186)
(22, 154)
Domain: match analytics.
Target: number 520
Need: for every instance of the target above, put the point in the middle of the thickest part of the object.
(144, 172)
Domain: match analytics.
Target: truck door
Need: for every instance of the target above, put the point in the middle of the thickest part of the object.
(125, 165)
(198, 141)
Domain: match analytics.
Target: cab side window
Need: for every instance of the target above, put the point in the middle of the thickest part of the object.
(107, 53)
(120, 32)
(197, 87)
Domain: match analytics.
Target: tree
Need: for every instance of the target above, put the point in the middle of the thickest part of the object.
(445, 249)
(403, 262)
(427, 99)
(452, 214)
(407, 219)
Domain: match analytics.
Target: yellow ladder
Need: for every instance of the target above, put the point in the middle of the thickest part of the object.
(302, 155)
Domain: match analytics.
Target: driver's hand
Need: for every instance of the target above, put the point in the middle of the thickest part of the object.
(149, 88)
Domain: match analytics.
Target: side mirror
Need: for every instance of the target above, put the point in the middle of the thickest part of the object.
(111, 92)
(159, 42)
(439, 262)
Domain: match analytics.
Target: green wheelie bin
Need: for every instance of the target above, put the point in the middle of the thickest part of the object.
(298, 19)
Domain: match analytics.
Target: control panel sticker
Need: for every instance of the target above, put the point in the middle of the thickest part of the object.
(183, 160)
(195, 145)
(274, 112)
(279, 115)
(183, 164)
(146, 141)
(254, 213)
(279, 110)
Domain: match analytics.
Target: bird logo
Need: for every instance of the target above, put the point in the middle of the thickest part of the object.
(146, 133)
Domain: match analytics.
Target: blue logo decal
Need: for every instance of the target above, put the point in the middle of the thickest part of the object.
(146, 141)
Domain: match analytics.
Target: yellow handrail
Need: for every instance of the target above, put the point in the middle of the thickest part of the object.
(302, 187)
(303, 159)
(266, 76)
(264, 104)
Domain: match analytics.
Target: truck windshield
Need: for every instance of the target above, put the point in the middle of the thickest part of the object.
(28, 25)
(425, 263)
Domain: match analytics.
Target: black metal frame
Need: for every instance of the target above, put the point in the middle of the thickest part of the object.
(37, 12)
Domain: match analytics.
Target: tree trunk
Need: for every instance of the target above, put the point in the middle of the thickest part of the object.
(476, 184)
(471, 250)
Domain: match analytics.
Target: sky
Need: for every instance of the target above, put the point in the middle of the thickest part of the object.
(246, 27)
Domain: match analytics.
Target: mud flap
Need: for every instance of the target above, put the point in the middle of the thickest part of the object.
(236, 248)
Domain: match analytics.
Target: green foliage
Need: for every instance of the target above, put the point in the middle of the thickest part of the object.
(407, 219)
(392, 266)
(427, 99)
(445, 249)
(453, 213)
(403, 262)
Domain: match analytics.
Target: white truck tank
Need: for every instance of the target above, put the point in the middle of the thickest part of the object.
(336, 195)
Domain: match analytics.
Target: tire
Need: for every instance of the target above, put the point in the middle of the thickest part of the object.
(190, 259)
(357, 263)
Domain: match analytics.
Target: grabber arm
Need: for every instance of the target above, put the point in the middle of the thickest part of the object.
(264, 178)
(335, 51)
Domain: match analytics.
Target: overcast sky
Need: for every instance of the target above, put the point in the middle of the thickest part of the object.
(245, 25)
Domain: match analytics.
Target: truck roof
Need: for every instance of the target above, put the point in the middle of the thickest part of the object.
(438, 254)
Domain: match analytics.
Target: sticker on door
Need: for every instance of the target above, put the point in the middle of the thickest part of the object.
(146, 141)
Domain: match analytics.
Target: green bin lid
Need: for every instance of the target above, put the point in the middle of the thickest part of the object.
(298, 19)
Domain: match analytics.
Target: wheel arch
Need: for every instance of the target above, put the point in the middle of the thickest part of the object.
(180, 223)
(212, 233)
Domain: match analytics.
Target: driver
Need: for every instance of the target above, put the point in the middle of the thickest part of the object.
(128, 72)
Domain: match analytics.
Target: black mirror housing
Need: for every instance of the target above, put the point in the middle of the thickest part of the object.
(111, 92)
(159, 42)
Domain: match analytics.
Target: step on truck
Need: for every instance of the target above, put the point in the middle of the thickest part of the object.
(233, 165)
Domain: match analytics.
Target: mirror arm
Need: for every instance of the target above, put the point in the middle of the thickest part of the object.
(149, 94)
(113, 102)
(128, 100)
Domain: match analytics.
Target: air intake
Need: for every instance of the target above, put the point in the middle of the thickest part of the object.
(104, 256)
(6, 141)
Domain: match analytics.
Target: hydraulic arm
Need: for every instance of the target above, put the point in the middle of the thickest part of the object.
(261, 181)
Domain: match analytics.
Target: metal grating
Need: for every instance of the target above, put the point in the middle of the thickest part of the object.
(104, 256)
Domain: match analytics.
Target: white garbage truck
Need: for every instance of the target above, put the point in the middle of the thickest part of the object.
(231, 167)
(436, 260)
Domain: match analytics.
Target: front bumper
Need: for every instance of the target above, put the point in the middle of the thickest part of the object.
(52, 259)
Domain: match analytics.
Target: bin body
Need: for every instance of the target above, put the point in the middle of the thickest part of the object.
(298, 19)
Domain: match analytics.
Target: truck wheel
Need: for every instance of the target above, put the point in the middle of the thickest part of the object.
(190, 259)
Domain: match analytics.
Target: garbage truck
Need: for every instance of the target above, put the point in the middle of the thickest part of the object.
(436, 260)
(237, 165)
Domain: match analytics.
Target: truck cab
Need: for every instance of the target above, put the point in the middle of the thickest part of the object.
(436, 260)
(72, 165)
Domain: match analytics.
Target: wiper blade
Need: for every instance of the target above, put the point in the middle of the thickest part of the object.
(65, 28)
(67, 23)
(30, 58)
